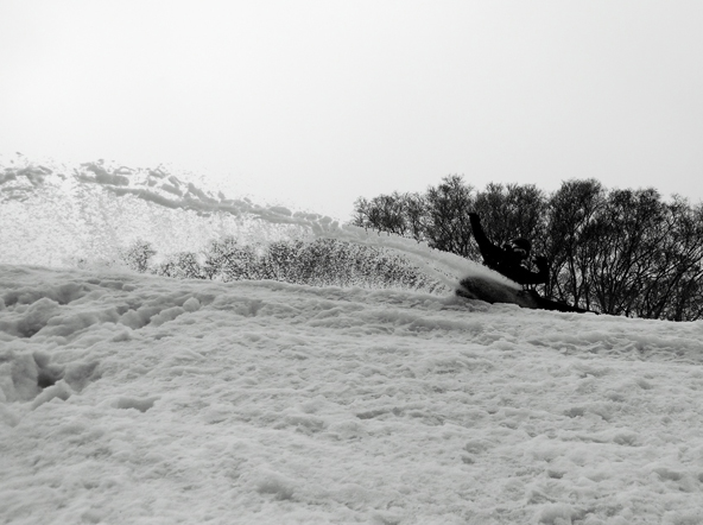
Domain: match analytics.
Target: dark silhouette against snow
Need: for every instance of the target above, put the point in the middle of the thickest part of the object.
(511, 259)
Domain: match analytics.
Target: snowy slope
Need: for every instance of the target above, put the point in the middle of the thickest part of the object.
(133, 399)
(261, 402)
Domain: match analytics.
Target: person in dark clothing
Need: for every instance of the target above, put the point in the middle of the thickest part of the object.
(511, 259)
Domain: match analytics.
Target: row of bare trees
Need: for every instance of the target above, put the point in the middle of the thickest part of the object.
(622, 252)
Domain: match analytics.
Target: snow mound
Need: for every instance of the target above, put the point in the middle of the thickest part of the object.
(132, 399)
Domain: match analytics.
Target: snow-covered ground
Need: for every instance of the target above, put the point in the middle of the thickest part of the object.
(261, 402)
(134, 399)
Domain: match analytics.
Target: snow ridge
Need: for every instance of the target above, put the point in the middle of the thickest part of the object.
(76, 215)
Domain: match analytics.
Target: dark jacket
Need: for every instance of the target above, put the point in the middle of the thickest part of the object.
(506, 260)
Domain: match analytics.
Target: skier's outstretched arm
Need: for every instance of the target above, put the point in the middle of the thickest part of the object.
(489, 251)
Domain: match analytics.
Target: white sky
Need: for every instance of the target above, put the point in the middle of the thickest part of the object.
(315, 103)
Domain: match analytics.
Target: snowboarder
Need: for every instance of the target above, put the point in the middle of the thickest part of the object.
(510, 260)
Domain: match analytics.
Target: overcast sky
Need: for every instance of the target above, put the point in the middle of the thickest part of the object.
(315, 103)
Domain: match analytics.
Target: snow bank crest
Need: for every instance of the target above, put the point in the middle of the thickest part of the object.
(85, 214)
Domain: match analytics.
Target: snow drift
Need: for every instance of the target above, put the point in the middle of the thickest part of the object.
(129, 398)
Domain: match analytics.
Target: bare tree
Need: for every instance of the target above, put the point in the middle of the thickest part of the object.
(401, 214)
(448, 206)
(623, 252)
(570, 239)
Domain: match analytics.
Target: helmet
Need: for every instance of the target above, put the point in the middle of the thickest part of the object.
(521, 244)
(520, 247)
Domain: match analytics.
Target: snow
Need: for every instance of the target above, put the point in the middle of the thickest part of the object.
(263, 402)
(135, 399)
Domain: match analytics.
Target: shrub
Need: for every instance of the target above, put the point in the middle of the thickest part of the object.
(321, 262)
(182, 265)
(138, 255)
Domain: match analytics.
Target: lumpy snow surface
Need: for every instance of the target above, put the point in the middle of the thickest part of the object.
(130, 399)
(133, 399)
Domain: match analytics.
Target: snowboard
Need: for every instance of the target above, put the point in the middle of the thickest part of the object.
(493, 291)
